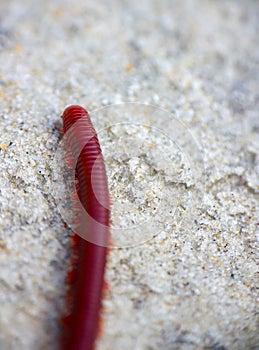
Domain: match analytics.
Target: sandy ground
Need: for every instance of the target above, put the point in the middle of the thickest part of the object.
(182, 161)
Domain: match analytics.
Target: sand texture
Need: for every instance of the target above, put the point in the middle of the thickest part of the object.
(172, 88)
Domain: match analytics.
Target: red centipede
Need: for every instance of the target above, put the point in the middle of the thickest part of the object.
(84, 150)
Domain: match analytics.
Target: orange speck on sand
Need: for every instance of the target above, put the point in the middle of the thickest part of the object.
(128, 68)
(17, 48)
(4, 147)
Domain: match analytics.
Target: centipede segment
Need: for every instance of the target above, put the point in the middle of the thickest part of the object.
(87, 278)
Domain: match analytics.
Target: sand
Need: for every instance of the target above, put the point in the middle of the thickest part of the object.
(172, 88)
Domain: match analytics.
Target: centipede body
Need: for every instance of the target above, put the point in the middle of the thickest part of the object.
(93, 229)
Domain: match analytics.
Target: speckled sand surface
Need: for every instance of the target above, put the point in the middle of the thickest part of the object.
(194, 283)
